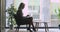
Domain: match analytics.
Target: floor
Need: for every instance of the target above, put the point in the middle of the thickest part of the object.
(39, 30)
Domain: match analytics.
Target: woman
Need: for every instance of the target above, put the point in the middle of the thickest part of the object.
(22, 19)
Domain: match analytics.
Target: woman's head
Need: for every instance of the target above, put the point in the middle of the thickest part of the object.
(21, 6)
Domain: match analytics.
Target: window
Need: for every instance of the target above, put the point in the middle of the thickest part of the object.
(34, 8)
(54, 18)
(54, 6)
(8, 5)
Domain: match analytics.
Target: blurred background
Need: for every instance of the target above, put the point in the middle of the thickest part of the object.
(41, 10)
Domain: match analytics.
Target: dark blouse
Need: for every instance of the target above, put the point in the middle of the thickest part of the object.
(19, 13)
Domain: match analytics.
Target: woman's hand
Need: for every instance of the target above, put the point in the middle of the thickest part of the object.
(28, 15)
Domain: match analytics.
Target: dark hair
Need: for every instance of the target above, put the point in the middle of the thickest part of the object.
(20, 6)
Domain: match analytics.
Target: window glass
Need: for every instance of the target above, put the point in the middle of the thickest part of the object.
(8, 5)
(34, 8)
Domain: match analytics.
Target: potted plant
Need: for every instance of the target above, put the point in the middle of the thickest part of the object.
(58, 14)
(11, 20)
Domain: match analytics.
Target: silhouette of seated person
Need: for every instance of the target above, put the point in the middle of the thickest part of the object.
(20, 14)
(21, 20)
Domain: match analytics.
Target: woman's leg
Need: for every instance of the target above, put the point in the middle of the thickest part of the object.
(32, 24)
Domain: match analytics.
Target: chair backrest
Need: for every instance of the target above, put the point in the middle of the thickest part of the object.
(15, 16)
(16, 19)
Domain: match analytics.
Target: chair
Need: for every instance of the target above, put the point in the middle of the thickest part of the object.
(19, 22)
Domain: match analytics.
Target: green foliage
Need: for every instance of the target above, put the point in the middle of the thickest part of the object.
(58, 12)
(11, 11)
